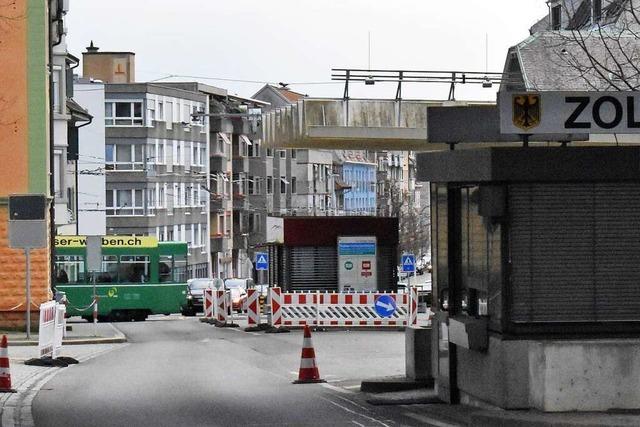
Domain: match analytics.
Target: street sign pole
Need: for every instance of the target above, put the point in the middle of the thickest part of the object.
(262, 267)
(27, 255)
(409, 266)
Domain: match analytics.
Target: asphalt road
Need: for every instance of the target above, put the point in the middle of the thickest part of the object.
(180, 372)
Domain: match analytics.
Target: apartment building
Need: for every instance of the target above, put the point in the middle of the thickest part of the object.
(302, 182)
(68, 116)
(156, 157)
(355, 186)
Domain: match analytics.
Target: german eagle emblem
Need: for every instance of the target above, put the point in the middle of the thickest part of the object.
(526, 111)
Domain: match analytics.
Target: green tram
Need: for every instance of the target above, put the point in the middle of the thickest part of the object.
(139, 277)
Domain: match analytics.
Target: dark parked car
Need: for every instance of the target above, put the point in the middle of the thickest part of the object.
(195, 295)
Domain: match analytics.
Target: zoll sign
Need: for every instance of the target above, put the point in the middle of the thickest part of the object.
(569, 112)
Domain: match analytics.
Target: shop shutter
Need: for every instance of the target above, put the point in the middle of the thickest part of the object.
(575, 252)
(386, 266)
(312, 268)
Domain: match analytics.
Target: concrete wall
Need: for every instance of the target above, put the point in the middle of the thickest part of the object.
(499, 377)
(585, 375)
(552, 376)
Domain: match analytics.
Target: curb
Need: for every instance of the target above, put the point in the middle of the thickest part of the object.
(394, 384)
(117, 339)
(423, 396)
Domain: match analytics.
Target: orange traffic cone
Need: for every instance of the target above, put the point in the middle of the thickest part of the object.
(5, 372)
(308, 369)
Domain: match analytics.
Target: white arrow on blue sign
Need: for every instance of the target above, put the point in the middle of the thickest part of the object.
(262, 261)
(408, 263)
(385, 306)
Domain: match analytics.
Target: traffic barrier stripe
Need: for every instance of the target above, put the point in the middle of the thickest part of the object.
(340, 309)
(208, 303)
(253, 307)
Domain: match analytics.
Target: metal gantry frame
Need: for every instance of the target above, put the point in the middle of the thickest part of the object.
(370, 77)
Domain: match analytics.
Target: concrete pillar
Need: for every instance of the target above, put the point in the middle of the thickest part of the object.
(418, 354)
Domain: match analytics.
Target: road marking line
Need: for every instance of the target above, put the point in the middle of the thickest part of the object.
(357, 423)
(244, 332)
(344, 408)
(352, 387)
(354, 403)
(335, 388)
(429, 421)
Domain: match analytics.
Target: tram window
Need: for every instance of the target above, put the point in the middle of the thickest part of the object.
(180, 268)
(69, 269)
(166, 268)
(109, 269)
(134, 268)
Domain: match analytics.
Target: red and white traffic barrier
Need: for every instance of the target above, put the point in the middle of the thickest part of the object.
(46, 333)
(413, 308)
(220, 302)
(253, 307)
(59, 328)
(208, 303)
(51, 327)
(341, 309)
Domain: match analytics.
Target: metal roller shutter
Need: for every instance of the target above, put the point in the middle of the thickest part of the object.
(386, 259)
(575, 252)
(312, 268)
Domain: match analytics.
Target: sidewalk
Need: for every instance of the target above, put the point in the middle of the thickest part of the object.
(80, 343)
(422, 403)
(81, 333)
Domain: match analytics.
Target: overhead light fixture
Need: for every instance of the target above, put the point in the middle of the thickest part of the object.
(486, 83)
(369, 81)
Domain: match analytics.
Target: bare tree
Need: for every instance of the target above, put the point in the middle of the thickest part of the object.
(414, 225)
(599, 47)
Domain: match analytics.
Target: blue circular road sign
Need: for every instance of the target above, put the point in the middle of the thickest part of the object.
(385, 306)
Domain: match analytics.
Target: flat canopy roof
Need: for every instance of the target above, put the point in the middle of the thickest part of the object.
(533, 164)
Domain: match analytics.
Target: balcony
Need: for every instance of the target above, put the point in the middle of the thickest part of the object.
(217, 203)
(218, 163)
(220, 243)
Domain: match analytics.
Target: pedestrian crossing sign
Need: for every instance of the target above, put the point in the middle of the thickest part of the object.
(408, 263)
(262, 261)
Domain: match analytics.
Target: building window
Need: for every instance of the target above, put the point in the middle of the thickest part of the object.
(251, 185)
(269, 185)
(294, 154)
(160, 112)
(160, 153)
(283, 185)
(269, 152)
(151, 111)
(125, 202)
(293, 185)
(123, 114)
(254, 149)
(283, 153)
(124, 157)
(556, 17)
(57, 85)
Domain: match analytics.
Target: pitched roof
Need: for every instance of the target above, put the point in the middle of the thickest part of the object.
(290, 95)
(575, 60)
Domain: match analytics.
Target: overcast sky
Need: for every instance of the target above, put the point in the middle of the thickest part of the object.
(301, 40)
